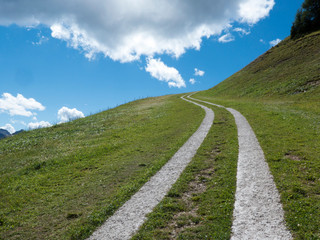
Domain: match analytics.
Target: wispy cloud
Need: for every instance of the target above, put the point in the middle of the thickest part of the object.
(162, 72)
(19, 105)
(226, 38)
(41, 39)
(13, 121)
(242, 31)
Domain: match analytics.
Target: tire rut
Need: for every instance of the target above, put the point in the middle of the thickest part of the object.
(128, 218)
(258, 213)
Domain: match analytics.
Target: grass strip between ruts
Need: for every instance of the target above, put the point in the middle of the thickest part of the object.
(289, 134)
(200, 204)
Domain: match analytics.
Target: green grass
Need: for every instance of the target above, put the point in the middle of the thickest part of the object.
(64, 181)
(289, 134)
(200, 204)
(290, 70)
(279, 94)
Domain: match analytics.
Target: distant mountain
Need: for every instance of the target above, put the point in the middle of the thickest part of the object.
(4, 133)
(17, 132)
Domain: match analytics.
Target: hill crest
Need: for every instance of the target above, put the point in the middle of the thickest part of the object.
(289, 69)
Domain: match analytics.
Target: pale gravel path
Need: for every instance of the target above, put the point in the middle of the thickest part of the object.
(258, 213)
(127, 220)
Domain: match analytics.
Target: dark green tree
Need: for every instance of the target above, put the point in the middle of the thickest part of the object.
(307, 19)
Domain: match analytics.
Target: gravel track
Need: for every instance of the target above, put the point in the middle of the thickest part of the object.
(127, 220)
(258, 213)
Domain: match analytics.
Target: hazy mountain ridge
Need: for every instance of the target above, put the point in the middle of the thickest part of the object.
(4, 133)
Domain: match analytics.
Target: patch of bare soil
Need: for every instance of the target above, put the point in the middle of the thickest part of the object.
(314, 83)
(292, 157)
(190, 218)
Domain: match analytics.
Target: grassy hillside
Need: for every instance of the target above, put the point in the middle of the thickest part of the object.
(279, 94)
(290, 70)
(200, 203)
(62, 182)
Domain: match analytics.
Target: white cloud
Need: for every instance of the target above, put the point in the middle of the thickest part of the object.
(13, 121)
(60, 32)
(226, 38)
(9, 128)
(262, 41)
(192, 81)
(41, 39)
(19, 105)
(42, 124)
(162, 72)
(251, 11)
(198, 72)
(66, 114)
(275, 42)
(125, 30)
(242, 31)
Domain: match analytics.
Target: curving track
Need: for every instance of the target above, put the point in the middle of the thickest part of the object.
(127, 220)
(258, 213)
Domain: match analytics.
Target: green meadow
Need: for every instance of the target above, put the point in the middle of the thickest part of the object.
(64, 181)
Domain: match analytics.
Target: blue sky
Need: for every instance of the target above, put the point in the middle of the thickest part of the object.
(71, 61)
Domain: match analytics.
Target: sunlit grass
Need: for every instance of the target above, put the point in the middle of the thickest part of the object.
(289, 134)
(290, 70)
(200, 204)
(279, 94)
(64, 181)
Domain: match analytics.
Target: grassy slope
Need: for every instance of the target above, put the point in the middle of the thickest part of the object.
(290, 70)
(62, 182)
(279, 94)
(200, 204)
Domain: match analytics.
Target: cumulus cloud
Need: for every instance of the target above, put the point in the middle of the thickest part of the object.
(251, 11)
(66, 114)
(198, 72)
(9, 128)
(60, 32)
(19, 105)
(162, 72)
(275, 42)
(226, 38)
(41, 124)
(125, 30)
(192, 81)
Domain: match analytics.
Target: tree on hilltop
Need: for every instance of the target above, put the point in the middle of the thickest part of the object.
(307, 19)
